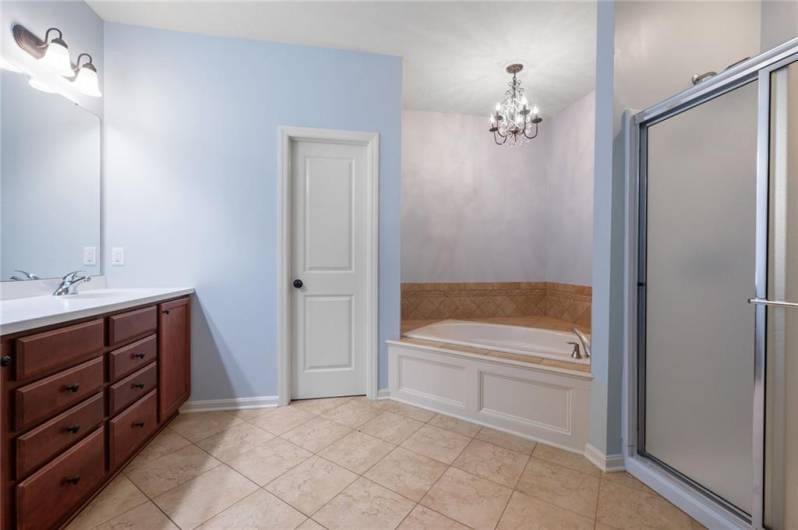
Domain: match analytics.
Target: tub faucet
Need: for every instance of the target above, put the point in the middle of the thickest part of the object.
(576, 353)
(584, 340)
(70, 282)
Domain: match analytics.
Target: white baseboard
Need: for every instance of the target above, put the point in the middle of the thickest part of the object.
(602, 461)
(208, 405)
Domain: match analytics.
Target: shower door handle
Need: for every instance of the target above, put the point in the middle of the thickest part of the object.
(774, 303)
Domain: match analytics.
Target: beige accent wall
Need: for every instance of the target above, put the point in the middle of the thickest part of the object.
(439, 301)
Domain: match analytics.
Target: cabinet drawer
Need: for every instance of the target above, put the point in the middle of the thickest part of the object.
(132, 324)
(132, 357)
(46, 497)
(131, 428)
(42, 443)
(43, 352)
(49, 396)
(132, 388)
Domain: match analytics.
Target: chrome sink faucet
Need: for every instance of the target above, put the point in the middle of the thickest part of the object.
(70, 282)
(25, 276)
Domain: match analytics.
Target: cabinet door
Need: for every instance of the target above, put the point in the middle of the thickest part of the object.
(174, 363)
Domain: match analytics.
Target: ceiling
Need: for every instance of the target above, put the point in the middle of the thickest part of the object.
(454, 52)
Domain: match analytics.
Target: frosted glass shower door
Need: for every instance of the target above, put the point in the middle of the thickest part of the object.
(781, 433)
(698, 362)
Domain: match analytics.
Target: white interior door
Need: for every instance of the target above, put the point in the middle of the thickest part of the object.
(329, 230)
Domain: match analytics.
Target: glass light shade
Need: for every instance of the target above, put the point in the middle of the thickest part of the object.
(6, 65)
(56, 58)
(87, 82)
(39, 84)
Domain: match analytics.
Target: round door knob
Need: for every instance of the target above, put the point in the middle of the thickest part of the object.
(298, 283)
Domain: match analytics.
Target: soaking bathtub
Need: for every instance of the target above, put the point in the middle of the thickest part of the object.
(510, 378)
(519, 340)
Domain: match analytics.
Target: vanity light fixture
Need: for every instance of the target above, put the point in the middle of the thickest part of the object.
(86, 81)
(513, 120)
(53, 53)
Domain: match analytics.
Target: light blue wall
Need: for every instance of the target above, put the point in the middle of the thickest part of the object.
(191, 142)
(605, 398)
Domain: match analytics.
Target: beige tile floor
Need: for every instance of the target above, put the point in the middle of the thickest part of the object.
(352, 464)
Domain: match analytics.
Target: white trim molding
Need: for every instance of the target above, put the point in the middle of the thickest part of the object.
(371, 141)
(540, 403)
(208, 405)
(608, 463)
(683, 496)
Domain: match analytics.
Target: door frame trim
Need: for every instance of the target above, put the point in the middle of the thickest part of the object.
(370, 140)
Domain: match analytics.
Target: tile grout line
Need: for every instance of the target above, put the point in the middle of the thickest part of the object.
(362, 475)
(146, 500)
(598, 500)
(545, 501)
(152, 499)
(393, 447)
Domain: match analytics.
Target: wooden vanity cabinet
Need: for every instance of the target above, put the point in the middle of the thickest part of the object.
(174, 322)
(78, 400)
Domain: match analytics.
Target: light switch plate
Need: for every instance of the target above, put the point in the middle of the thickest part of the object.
(90, 255)
(117, 256)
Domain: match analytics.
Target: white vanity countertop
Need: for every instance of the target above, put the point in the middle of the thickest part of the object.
(22, 314)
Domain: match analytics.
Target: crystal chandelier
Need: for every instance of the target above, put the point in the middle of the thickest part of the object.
(513, 120)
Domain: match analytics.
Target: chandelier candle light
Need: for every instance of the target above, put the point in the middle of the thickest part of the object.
(513, 120)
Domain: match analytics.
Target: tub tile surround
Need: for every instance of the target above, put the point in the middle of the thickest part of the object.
(440, 301)
(477, 478)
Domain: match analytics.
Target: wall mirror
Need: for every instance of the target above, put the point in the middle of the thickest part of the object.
(50, 178)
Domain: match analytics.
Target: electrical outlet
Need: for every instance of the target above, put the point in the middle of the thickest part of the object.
(117, 256)
(90, 255)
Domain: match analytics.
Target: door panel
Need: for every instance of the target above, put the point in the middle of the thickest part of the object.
(328, 255)
(781, 463)
(699, 328)
(328, 216)
(329, 322)
(174, 357)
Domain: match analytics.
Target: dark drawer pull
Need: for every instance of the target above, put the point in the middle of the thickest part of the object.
(73, 429)
(73, 480)
(5, 360)
(137, 385)
(166, 311)
(139, 355)
(74, 387)
(138, 424)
